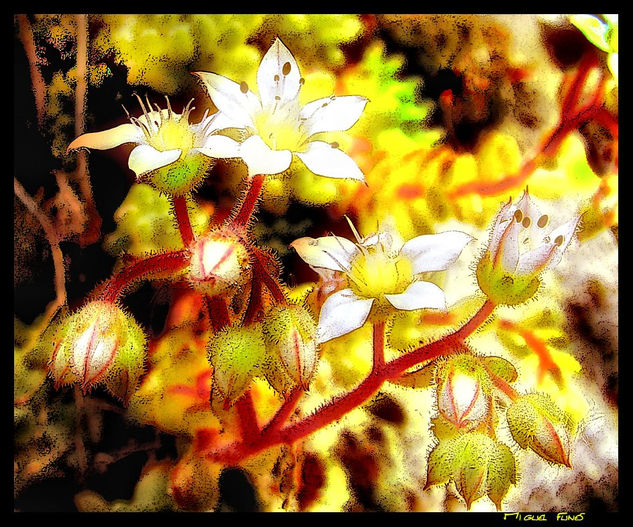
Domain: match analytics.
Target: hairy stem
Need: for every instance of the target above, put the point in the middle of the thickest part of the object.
(170, 262)
(182, 216)
(218, 312)
(247, 418)
(343, 404)
(249, 202)
(378, 346)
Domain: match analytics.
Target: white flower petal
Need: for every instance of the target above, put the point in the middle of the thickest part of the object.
(329, 252)
(237, 105)
(419, 295)
(341, 313)
(434, 252)
(124, 133)
(220, 146)
(548, 254)
(261, 159)
(332, 113)
(145, 158)
(502, 221)
(278, 76)
(325, 160)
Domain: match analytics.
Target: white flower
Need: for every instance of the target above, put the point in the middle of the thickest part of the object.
(275, 125)
(162, 137)
(521, 243)
(378, 274)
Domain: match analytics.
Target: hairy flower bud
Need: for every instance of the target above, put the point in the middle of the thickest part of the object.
(290, 334)
(536, 422)
(477, 465)
(236, 354)
(463, 387)
(194, 482)
(219, 261)
(99, 344)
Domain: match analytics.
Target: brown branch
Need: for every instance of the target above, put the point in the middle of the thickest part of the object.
(25, 34)
(53, 240)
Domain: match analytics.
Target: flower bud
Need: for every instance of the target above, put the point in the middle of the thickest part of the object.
(236, 354)
(477, 465)
(194, 483)
(99, 343)
(536, 422)
(463, 388)
(219, 261)
(290, 334)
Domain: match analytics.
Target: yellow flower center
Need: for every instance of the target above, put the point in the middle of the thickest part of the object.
(173, 134)
(375, 273)
(281, 131)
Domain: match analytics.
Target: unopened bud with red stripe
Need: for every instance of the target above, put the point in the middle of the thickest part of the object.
(290, 334)
(536, 422)
(100, 343)
(219, 262)
(463, 390)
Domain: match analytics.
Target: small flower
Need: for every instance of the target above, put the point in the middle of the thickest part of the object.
(219, 261)
(536, 422)
(171, 154)
(508, 271)
(379, 275)
(100, 343)
(275, 125)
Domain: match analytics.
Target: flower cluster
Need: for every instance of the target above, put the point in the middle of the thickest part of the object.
(256, 331)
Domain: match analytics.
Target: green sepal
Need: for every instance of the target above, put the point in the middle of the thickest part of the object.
(502, 287)
(236, 354)
(180, 177)
(501, 367)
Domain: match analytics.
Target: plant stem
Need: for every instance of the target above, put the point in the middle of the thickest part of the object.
(182, 216)
(170, 262)
(218, 312)
(247, 206)
(339, 406)
(247, 418)
(378, 346)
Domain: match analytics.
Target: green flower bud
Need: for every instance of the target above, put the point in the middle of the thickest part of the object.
(100, 343)
(219, 262)
(536, 422)
(236, 354)
(501, 367)
(290, 334)
(477, 464)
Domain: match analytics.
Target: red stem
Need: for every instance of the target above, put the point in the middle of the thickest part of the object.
(247, 418)
(341, 405)
(182, 216)
(218, 312)
(249, 202)
(571, 118)
(259, 272)
(284, 411)
(378, 346)
(165, 262)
